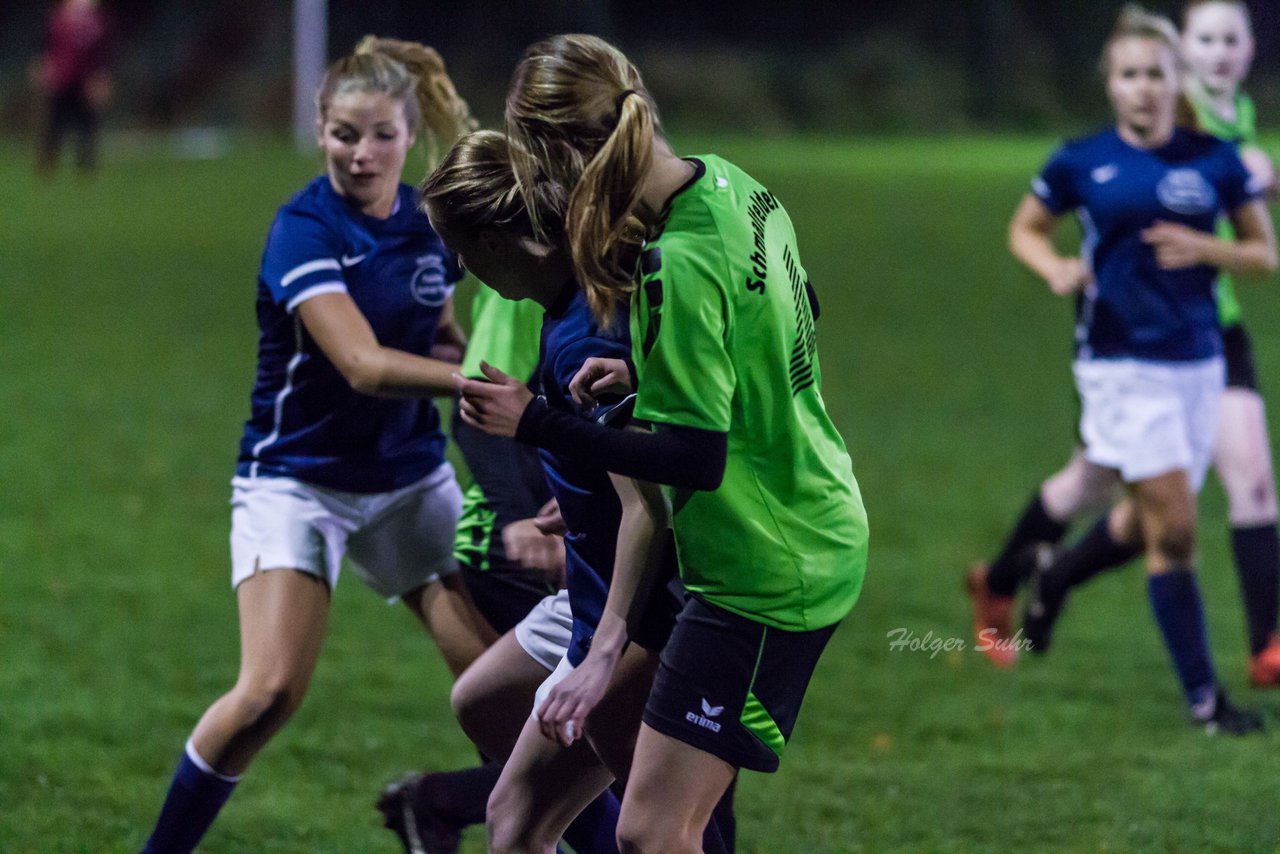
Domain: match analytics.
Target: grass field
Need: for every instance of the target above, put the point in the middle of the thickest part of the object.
(127, 334)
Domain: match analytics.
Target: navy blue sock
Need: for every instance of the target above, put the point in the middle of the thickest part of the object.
(1175, 600)
(595, 830)
(1035, 525)
(1257, 552)
(722, 831)
(195, 796)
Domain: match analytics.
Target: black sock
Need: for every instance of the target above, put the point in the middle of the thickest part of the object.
(458, 798)
(1033, 526)
(1094, 553)
(1257, 552)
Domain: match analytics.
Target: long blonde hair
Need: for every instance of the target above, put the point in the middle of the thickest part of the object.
(578, 112)
(410, 73)
(475, 188)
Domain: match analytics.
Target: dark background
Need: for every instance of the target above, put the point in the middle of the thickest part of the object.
(840, 66)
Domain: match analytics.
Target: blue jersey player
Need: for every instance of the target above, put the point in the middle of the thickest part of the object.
(342, 453)
(473, 204)
(1149, 366)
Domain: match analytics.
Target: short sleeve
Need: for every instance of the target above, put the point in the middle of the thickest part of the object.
(300, 260)
(1055, 185)
(680, 323)
(1238, 185)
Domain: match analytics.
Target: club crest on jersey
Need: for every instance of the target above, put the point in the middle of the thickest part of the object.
(1185, 191)
(428, 284)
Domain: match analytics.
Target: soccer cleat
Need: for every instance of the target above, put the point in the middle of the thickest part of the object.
(992, 615)
(1045, 598)
(420, 830)
(1264, 668)
(1225, 717)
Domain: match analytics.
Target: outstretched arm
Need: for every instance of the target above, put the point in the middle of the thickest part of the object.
(347, 340)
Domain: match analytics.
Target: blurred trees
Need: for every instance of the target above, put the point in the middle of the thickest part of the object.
(821, 65)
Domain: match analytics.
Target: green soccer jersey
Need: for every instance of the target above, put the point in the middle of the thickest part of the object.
(724, 340)
(504, 334)
(1243, 131)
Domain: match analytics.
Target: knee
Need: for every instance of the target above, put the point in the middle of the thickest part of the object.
(509, 823)
(1251, 496)
(467, 701)
(640, 836)
(1177, 541)
(267, 703)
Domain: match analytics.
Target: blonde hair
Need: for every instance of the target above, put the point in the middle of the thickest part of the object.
(408, 72)
(1135, 22)
(474, 188)
(578, 112)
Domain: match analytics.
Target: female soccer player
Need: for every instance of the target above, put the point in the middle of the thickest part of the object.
(1217, 43)
(766, 513)
(475, 206)
(1149, 367)
(342, 452)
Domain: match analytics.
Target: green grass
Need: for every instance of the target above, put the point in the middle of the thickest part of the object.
(128, 349)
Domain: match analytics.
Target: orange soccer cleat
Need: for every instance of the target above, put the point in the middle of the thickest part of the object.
(1264, 668)
(992, 616)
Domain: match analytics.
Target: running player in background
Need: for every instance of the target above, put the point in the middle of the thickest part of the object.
(1218, 45)
(1149, 366)
(342, 452)
(766, 513)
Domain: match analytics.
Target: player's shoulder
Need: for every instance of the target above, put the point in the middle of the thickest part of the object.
(1083, 149)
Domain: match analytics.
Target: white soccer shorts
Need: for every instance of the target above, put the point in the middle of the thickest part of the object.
(1145, 419)
(397, 541)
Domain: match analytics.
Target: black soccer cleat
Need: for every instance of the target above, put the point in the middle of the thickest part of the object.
(1045, 598)
(1225, 717)
(419, 829)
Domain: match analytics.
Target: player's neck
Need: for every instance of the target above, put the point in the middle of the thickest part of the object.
(1221, 103)
(1145, 137)
(667, 174)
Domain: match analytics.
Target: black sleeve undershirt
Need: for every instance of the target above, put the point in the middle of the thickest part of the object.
(683, 457)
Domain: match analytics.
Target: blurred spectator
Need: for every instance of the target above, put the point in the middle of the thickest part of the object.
(71, 74)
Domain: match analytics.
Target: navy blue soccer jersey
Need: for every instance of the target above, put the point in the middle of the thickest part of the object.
(588, 502)
(1134, 309)
(306, 421)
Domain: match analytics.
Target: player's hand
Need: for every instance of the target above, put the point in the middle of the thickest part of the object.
(1177, 246)
(1261, 171)
(494, 406)
(563, 713)
(528, 546)
(549, 520)
(597, 377)
(1070, 276)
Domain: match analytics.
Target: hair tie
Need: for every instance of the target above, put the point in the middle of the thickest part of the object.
(618, 103)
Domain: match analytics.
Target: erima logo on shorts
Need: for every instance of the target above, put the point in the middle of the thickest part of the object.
(1185, 191)
(704, 720)
(428, 285)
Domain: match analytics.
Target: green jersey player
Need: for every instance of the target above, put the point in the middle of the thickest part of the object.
(769, 524)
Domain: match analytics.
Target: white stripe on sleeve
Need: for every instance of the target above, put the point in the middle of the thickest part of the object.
(310, 267)
(331, 287)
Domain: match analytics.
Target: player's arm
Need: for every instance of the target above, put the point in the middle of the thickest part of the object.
(637, 564)
(1031, 241)
(345, 337)
(1251, 253)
